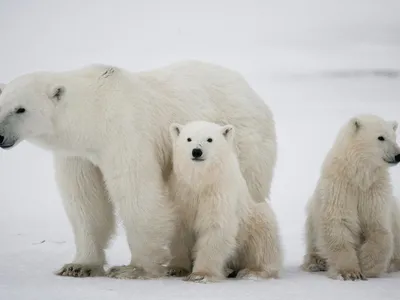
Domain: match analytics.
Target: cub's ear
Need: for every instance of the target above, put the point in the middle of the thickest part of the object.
(228, 131)
(2, 86)
(394, 125)
(175, 130)
(355, 123)
(56, 92)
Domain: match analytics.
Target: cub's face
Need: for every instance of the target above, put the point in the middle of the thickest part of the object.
(201, 144)
(375, 140)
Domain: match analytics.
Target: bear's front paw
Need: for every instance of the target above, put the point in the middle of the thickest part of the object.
(202, 277)
(353, 275)
(177, 272)
(80, 270)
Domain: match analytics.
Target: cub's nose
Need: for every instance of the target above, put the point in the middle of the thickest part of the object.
(1, 139)
(196, 153)
(397, 158)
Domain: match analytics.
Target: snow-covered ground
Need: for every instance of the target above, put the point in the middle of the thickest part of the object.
(316, 63)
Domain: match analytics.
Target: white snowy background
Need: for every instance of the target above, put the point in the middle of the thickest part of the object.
(316, 63)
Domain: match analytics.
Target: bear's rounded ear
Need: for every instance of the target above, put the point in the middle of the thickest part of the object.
(2, 86)
(228, 131)
(356, 123)
(55, 92)
(394, 125)
(175, 130)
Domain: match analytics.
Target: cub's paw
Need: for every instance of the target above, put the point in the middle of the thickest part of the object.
(353, 275)
(80, 270)
(371, 266)
(314, 263)
(127, 272)
(202, 277)
(177, 272)
(230, 273)
(394, 266)
(257, 275)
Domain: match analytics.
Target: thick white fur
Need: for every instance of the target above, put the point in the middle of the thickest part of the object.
(108, 129)
(353, 220)
(222, 226)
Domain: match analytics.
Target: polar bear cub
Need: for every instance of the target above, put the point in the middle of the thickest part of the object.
(352, 225)
(222, 226)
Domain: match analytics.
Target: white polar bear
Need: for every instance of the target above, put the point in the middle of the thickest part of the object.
(352, 226)
(108, 130)
(223, 227)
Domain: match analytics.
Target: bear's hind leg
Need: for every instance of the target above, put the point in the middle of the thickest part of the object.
(260, 172)
(89, 211)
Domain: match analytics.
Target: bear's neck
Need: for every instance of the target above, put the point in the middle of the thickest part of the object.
(65, 146)
(81, 127)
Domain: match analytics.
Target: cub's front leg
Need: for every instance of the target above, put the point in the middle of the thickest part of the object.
(216, 228)
(312, 261)
(395, 261)
(377, 250)
(338, 232)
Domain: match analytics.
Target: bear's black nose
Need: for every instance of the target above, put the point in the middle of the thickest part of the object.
(196, 152)
(1, 139)
(397, 158)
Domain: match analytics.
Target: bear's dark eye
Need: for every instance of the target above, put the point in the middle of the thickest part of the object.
(20, 110)
(189, 140)
(381, 138)
(209, 140)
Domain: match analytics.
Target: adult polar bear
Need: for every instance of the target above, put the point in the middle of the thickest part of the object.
(108, 130)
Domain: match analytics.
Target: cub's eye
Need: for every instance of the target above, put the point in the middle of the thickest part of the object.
(20, 110)
(189, 140)
(209, 140)
(381, 138)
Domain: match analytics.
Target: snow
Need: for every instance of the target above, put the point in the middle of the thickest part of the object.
(316, 63)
